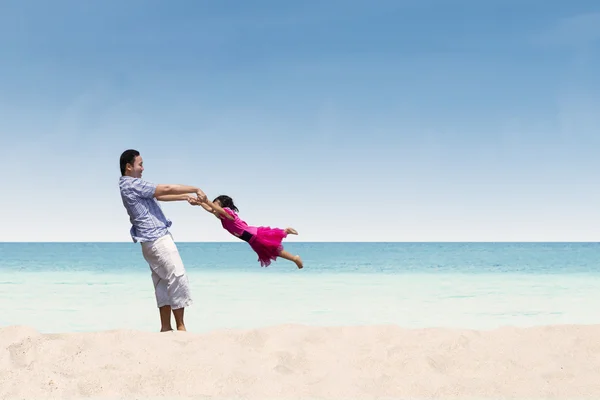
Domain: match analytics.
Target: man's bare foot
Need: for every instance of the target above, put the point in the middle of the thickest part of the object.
(181, 328)
(166, 329)
(291, 231)
(298, 262)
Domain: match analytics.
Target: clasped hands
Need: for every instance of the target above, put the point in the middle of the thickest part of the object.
(200, 198)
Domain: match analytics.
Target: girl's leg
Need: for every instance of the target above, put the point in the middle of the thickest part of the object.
(296, 259)
(291, 231)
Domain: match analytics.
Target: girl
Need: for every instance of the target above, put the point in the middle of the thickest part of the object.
(264, 240)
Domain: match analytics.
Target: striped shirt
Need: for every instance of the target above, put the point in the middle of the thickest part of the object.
(148, 222)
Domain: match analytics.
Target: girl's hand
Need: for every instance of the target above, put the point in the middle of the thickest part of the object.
(193, 200)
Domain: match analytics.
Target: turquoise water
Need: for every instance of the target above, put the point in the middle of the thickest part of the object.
(61, 287)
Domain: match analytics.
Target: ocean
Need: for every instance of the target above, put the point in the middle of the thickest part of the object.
(79, 287)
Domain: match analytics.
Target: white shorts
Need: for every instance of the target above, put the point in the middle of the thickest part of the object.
(171, 285)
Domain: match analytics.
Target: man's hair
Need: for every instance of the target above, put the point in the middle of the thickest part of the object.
(128, 157)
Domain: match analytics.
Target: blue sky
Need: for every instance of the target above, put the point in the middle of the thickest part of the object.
(348, 120)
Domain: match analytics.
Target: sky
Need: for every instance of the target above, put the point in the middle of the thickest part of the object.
(351, 120)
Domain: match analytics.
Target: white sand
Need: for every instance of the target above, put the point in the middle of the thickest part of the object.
(303, 362)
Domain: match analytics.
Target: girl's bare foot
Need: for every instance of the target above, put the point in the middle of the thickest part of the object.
(295, 259)
(291, 231)
(298, 262)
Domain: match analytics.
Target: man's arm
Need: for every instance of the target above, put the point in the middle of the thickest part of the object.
(169, 190)
(150, 190)
(173, 197)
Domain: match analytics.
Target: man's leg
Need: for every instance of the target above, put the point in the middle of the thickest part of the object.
(160, 267)
(165, 318)
(170, 281)
(160, 291)
(177, 284)
(178, 314)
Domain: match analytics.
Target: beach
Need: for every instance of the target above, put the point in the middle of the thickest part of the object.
(295, 361)
(360, 321)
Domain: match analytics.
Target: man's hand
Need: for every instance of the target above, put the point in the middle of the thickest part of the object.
(201, 196)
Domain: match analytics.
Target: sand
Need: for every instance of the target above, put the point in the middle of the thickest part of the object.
(303, 362)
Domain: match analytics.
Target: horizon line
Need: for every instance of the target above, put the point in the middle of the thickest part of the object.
(313, 242)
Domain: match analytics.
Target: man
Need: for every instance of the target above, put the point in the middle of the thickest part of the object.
(150, 227)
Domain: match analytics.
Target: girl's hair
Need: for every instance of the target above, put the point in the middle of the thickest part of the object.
(226, 201)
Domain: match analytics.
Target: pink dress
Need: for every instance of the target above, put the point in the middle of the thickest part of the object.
(264, 240)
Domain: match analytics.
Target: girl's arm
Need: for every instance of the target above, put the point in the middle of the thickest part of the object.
(206, 207)
(212, 208)
(195, 202)
(217, 210)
